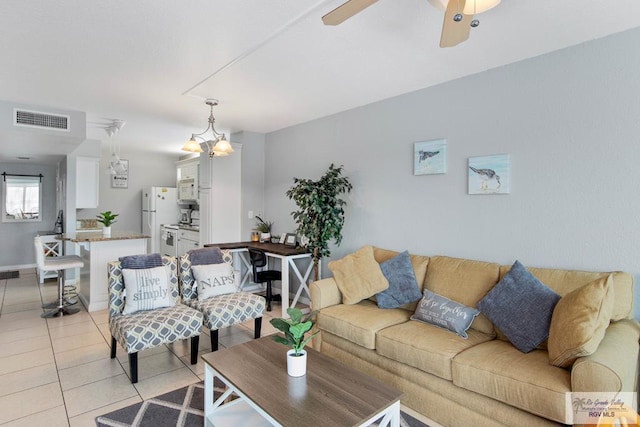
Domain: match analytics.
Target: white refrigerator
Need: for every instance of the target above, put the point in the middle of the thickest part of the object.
(159, 206)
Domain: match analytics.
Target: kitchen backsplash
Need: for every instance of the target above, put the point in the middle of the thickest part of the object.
(86, 223)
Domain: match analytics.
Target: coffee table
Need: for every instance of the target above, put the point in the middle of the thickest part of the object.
(330, 394)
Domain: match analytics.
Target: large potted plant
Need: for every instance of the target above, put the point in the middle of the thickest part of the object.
(106, 218)
(294, 330)
(320, 214)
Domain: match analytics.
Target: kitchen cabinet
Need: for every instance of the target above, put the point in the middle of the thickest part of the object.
(187, 240)
(87, 182)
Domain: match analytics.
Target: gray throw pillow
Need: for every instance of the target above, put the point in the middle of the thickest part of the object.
(521, 307)
(439, 311)
(403, 286)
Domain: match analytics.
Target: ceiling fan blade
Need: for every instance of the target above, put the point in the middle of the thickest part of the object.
(453, 32)
(346, 11)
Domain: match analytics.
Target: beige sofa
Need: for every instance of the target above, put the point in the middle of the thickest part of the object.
(483, 380)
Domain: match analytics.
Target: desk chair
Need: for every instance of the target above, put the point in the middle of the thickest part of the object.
(59, 264)
(259, 260)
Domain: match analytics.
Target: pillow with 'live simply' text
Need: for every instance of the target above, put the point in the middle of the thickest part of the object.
(147, 289)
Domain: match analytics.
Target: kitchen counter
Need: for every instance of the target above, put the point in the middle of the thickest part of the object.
(97, 236)
(96, 251)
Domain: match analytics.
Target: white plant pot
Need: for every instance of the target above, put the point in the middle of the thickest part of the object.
(296, 365)
(106, 231)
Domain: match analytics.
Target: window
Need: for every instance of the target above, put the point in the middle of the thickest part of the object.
(22, 198)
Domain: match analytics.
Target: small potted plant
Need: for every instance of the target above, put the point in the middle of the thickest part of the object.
(264, 227)
(106, 218)
(294, 330)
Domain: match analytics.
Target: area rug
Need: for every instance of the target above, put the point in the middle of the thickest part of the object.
(9, 275)
(183, 407)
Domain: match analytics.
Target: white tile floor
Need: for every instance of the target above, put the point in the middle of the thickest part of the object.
(57, 372)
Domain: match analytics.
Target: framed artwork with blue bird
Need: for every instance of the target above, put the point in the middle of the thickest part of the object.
(430, 157)
(489, 174)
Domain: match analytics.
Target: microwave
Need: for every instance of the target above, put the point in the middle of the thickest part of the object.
(187, 189)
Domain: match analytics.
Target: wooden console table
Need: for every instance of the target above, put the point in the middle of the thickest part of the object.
(286, 254)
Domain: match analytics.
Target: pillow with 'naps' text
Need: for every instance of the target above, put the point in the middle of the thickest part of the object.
(214, 279)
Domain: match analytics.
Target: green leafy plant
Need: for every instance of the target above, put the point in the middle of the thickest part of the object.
(320, 214)
(294, 329)
(107, 218)
(263, 226)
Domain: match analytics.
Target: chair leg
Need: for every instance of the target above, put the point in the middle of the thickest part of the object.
(269, 295)
(133, 366)
(214, 340)
(195, 341)
(257, 328)
(113, 348)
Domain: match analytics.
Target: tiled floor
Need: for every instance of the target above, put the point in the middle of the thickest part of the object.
(57, 372)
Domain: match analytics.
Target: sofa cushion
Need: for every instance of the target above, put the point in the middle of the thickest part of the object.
(419, 263)
(579, 322)
(439, 311)
(465, 281)
(425, 347)
(358, 275)
(565, 281)
(359, 322)
(521, 307)
(403, 287)
(498, 370)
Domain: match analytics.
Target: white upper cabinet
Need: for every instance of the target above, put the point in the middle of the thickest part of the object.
(87, 182)
(187, 180)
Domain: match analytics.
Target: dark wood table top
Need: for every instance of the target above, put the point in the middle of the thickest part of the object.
(330, 394)
(276, 248)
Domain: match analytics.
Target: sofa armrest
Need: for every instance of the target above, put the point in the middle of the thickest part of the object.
(614, 366)
(324, 293)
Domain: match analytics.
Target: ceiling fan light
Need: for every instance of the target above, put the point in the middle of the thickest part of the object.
(192, 146)
(473, 7)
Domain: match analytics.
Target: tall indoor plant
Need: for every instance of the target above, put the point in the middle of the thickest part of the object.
(320, 214)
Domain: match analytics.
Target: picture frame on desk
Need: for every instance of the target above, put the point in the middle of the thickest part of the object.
(290, 240)
(283, 238)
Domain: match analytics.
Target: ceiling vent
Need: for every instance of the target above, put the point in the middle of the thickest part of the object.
(41, 120)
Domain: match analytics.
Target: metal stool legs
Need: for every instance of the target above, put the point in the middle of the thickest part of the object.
(60, 309)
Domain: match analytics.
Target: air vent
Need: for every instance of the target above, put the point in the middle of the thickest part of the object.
(38, 119)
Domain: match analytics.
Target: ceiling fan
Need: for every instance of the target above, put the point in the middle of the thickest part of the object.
(459, 16)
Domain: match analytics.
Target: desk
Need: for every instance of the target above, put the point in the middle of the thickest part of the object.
(287, 256)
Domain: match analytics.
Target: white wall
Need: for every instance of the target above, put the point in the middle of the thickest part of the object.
(570, 121)
(253, 165)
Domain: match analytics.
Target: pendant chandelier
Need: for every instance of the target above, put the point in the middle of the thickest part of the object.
(218, 146)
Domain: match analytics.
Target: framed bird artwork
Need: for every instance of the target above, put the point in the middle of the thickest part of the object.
(430, 157)
(489, 174)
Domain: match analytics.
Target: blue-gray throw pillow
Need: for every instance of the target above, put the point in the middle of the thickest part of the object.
(439, 311)
(521, 307)
(137, 262)
(403, 286)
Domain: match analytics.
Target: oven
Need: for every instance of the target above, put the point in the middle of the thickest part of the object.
(169, 241)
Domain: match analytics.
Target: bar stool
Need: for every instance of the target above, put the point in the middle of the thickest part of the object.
(59, 264)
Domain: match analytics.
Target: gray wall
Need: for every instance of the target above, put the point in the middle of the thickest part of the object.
(253, 151)
(17, 237)
(570, 121)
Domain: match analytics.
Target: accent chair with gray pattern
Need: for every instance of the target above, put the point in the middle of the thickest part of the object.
(223, 310)
(150, 328)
